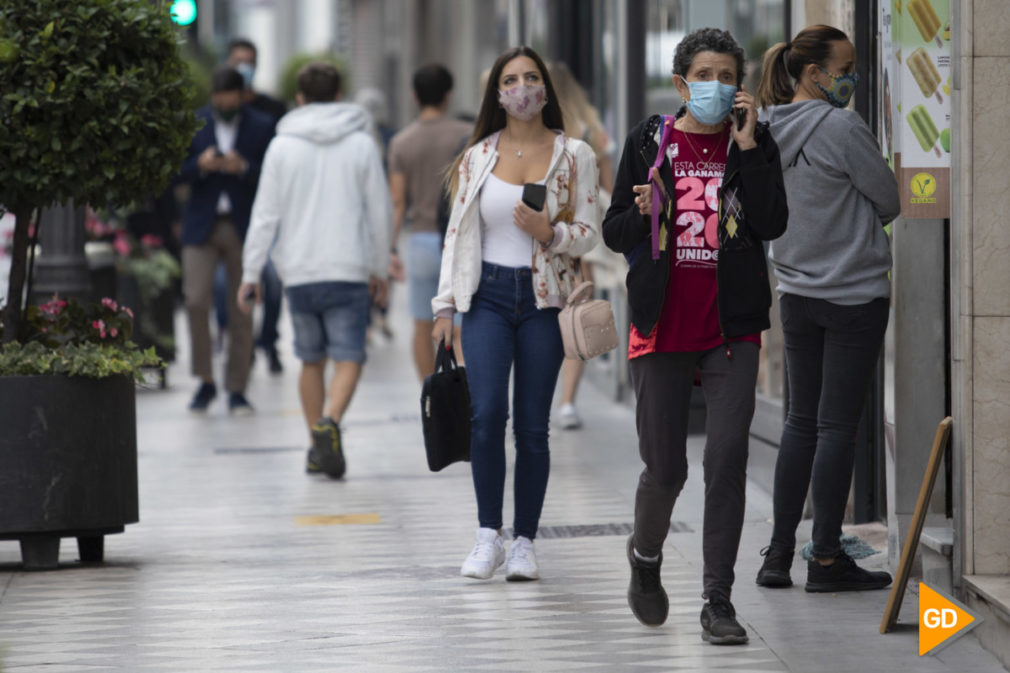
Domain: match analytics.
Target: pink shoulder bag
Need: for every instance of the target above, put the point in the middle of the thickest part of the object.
(587, 325)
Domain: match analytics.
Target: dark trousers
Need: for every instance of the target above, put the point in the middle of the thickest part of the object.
(505, 331)
(663, 388)
(273, 291)
(831, 352)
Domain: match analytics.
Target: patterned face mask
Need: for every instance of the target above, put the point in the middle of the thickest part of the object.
(524, 101)
(842, 88)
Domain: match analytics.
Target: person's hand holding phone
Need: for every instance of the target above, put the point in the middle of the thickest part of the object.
(744, 120)
(530, 214)
(209, 160)
(233, 163)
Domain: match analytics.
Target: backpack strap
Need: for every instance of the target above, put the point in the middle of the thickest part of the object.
(658, 195)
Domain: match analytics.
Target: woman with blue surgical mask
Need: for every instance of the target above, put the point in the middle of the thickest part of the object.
(696, 195)
(832, 267)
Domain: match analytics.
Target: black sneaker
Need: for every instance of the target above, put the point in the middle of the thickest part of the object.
(646, 595)
(719, 625)
(843, 575)
(326, 454)
(775, 570)
(205, 394)
(238, 405)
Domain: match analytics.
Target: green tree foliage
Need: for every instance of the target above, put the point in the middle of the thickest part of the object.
(95, 106)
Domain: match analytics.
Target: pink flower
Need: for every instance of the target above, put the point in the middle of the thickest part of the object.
(128, 311)
(96, 227)
(100, 326)
(113, 332)
(109, 303)
(54, 306)
(122, 245)
(151, 241)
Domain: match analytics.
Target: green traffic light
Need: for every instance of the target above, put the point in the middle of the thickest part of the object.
(184, 12)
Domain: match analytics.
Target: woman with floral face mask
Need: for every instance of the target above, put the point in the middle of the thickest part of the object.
(695, 197)
(832, 268)
(508, 268)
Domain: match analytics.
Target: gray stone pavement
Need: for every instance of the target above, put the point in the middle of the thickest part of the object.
(242, 562)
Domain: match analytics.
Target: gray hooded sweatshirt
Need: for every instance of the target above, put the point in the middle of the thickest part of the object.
(841, 194)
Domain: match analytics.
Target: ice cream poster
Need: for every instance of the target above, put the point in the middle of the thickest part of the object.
(915, 41)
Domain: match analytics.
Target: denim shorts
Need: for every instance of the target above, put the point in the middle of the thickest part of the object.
(329, 319)
(424, 260)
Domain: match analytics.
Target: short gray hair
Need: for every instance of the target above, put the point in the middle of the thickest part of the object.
(707, 39)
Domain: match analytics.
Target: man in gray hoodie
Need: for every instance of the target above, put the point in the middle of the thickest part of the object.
(323, 214)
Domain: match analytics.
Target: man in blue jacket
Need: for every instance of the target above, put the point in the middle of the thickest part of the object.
(222, 170)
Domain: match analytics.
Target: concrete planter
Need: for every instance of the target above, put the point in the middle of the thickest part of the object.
(68, 463)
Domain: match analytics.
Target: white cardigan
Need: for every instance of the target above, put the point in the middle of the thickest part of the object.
(572, 194)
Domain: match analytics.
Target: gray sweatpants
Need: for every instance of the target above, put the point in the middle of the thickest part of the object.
(663, 388)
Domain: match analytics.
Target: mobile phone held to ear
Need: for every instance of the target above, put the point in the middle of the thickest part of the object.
(741, 117)
(534, 195)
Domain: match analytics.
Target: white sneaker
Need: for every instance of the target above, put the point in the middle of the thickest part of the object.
(569, 417)
(487, 555)
(522, 563)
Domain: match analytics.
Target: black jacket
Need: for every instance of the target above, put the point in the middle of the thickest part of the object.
(255, 130)
(744, 295)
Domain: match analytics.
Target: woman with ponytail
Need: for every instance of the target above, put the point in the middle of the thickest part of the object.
(832, 266)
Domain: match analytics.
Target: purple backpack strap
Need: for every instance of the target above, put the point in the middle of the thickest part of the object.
(658, 195)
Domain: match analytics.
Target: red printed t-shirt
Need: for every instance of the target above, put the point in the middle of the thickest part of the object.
(689, 320)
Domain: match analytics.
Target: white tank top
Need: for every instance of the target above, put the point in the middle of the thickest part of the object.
(503, 243)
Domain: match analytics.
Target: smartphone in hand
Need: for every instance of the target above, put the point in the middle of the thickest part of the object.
(741, 117)
(534, 195)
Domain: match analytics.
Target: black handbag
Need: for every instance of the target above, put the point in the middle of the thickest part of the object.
(445, 412)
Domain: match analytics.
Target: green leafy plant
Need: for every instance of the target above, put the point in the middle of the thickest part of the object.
(74, 339)
(95, 106)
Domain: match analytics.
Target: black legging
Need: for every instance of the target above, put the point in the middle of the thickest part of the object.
(831, 351)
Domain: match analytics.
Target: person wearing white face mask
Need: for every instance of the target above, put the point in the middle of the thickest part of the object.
(242, 56)
(508, 268)
(696, 195)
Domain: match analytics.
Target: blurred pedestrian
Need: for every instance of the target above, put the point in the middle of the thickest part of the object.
(581, 121)
(375, 102)
(832, 267)
(508, 268)
(222, 169)
(699, 296)
(243, 56)
(419, 157)
(323, 213)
